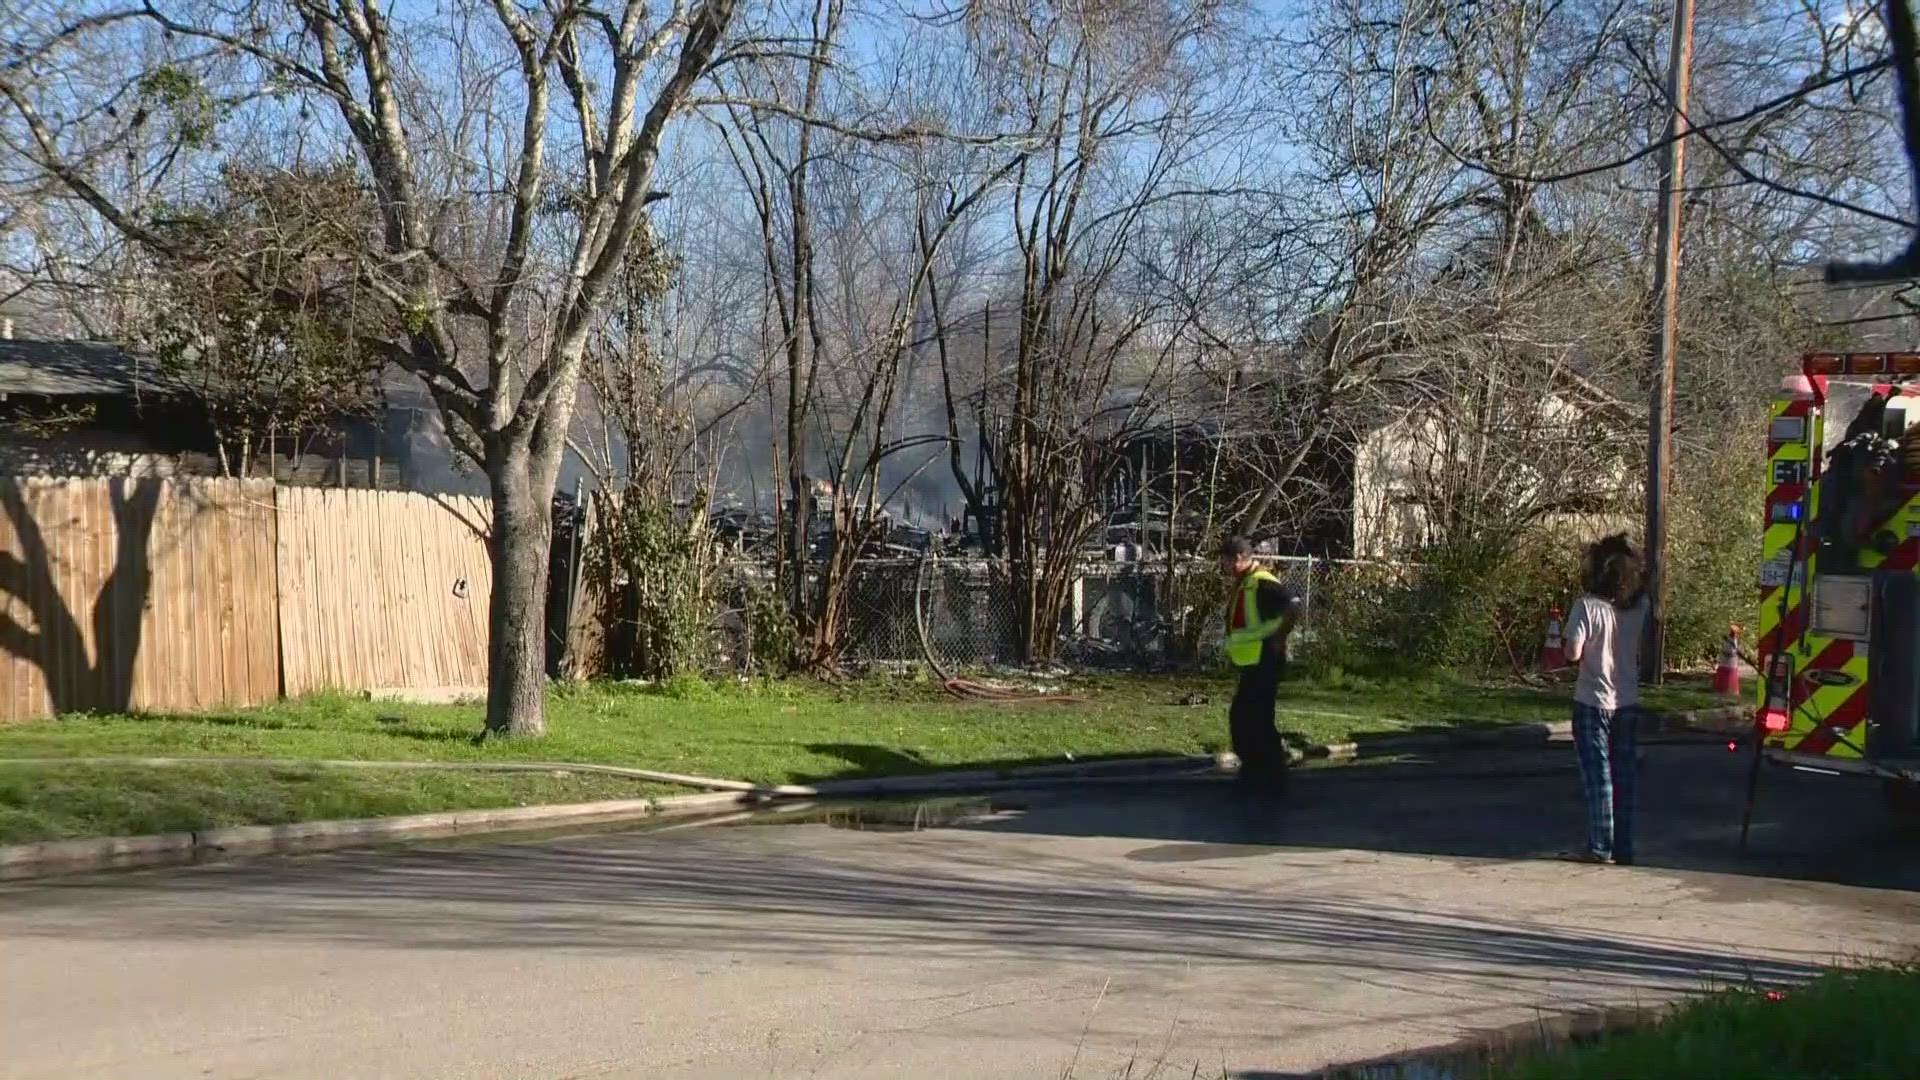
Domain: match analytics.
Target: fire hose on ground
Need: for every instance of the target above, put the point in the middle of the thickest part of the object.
(971, 689)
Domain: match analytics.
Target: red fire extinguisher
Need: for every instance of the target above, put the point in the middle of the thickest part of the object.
(1726, 674)
(1554, 656)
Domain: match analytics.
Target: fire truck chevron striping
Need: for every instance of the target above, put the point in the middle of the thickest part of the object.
(1839, 628)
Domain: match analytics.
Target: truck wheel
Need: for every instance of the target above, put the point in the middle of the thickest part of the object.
(1903, 796)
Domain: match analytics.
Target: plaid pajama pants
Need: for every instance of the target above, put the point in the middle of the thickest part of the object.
(1607, 745)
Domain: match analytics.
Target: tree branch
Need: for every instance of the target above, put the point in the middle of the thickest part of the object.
(904, 134)
(1906, 53)
(1805, 89)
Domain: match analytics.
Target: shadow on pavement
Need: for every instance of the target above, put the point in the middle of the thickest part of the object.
(692, 895)
(1513, 804)
(696, 891)
(808, 896)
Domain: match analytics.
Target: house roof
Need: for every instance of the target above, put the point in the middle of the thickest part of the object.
(72, 368)
(404, 390)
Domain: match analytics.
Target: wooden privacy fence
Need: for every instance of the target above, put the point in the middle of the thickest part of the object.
(157, 595)
(382, 590)
(135, 594)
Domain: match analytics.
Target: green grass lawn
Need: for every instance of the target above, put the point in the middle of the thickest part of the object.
(1857, 1025)
(768, 732)
(59, 802)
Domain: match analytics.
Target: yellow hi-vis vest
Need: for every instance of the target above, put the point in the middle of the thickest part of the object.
(1246, 634)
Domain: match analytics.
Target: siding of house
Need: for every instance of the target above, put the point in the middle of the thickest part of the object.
(1396, 467)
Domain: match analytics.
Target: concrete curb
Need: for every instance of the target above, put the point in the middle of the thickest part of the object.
(1735, 719)
(61, 857)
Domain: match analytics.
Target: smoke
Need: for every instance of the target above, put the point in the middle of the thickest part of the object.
(917, 482)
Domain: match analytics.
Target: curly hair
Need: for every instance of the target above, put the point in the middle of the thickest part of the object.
(1615, 571)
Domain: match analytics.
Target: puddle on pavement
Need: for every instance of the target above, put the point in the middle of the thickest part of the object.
(627, 826)
(888, 815)
(878, 815)
(1474, 1058)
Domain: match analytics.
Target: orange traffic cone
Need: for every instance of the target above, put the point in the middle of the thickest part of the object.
(1726, 674)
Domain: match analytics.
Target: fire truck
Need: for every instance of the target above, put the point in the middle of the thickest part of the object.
(1839, 643)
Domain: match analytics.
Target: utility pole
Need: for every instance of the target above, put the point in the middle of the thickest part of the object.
(1673, 172)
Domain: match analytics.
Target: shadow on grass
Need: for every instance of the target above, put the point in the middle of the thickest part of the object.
(866, 760)
(401, 729)
(252, 722)
(1465, 733)
(295, 720)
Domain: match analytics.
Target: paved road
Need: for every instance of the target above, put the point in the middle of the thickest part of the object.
(1159, 924)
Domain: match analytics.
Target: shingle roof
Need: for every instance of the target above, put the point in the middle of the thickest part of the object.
(75, 368)
(72, 368)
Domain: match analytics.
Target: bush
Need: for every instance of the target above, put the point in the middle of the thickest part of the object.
(687, 686)
(1479, 607)
(773, 637)
(655, 565)
(1192, 601)
(1713, 554)
(1346, 623)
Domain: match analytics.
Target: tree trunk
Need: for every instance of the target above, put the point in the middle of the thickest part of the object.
(516, 617)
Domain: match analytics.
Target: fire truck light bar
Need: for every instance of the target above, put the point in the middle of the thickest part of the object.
(1907, 363)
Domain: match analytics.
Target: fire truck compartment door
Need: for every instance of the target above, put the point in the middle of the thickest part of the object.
(1841, 606)
(1893, 666)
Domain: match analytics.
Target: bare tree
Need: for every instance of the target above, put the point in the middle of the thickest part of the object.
(1808, 104)
(491, 273)
(1115, 105)
(841, 307)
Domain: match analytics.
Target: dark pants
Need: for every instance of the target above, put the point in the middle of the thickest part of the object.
(1256, 742)
(1607, 745)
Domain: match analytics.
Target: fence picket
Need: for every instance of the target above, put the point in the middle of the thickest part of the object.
(156, 595)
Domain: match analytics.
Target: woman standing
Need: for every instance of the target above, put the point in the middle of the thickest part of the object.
(1603, 640)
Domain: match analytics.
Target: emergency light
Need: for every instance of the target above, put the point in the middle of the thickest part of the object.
(1901, 363)
(1776, 715)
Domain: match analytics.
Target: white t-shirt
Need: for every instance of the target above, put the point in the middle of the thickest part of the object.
(1607, 640)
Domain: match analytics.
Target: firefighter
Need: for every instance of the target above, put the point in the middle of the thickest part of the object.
(1261, 612)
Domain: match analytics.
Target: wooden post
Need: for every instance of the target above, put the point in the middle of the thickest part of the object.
(1673, 170)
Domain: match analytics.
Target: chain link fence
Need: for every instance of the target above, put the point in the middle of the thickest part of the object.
(955, 612)
(962, 613)
(966, 612)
